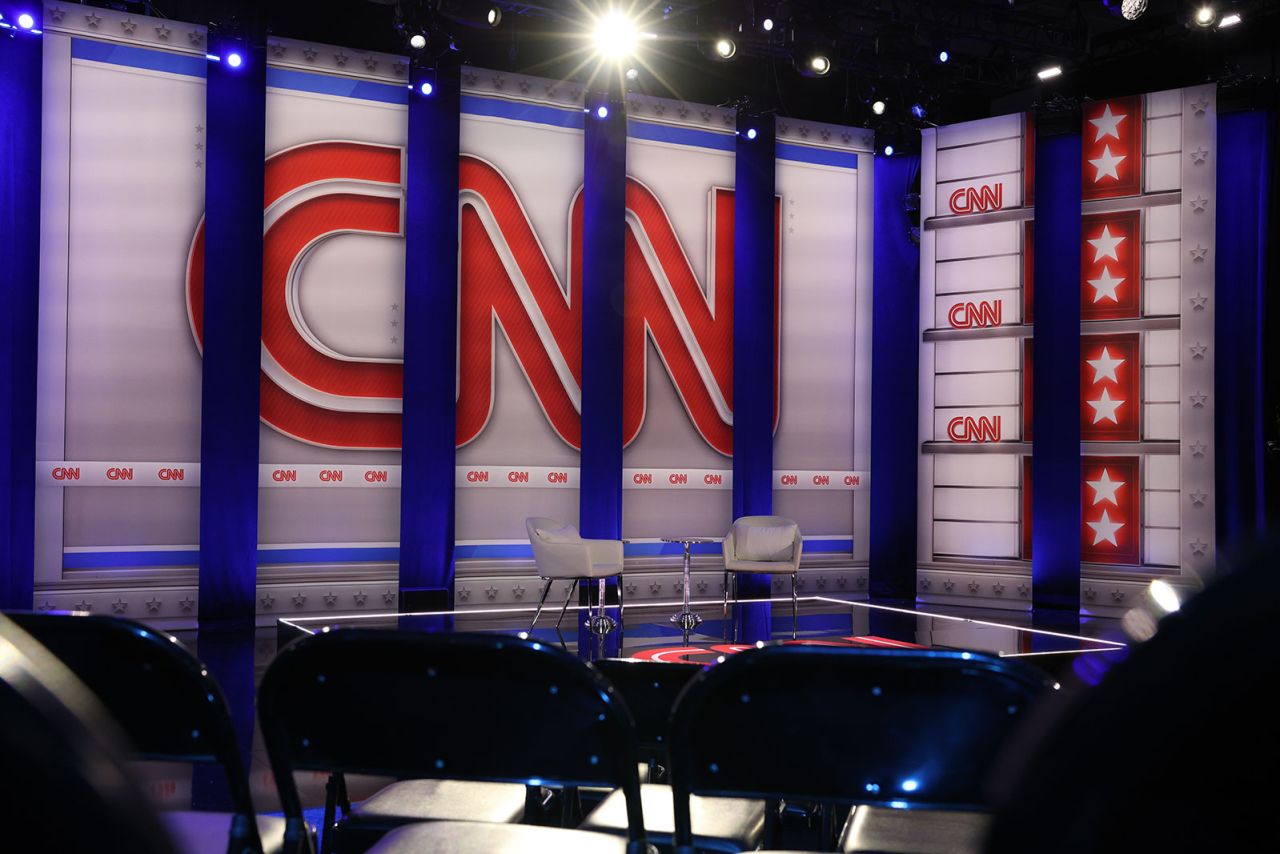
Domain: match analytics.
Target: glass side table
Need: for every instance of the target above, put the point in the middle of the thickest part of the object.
(686, 619)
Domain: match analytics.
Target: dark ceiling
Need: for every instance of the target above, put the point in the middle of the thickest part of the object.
(880, 49)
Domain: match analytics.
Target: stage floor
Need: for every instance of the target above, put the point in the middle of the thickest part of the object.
(649, 633)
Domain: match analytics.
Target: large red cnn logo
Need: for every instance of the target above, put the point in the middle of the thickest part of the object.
(987, 197)
(506, 283)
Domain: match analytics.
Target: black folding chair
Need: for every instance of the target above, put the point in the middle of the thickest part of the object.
(650, 689)
(891, 729)
(63, 785)
(170, 709)
(451, 707)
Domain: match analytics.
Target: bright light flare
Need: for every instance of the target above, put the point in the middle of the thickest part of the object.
(1050, 72)
(615, 35)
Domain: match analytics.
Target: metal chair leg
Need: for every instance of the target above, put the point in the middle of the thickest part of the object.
(567, 599)
(621, 626)
(541, 602)
(794, 607)
(724, 614)
(735, 607)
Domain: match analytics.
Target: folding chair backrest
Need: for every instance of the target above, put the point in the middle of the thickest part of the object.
(650, 689)
(456, 706)
(891, 727)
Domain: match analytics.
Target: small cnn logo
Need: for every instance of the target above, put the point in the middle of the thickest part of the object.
(970, 315)
(988, 197)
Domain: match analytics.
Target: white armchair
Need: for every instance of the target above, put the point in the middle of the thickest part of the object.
(560, 552)
(769, 545)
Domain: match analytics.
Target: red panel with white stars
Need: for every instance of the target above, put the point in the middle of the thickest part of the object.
(1110, 266)
(1111, 522)
(1110, 390)
(1112, 148)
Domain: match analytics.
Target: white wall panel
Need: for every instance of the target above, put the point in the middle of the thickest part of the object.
(1164, 135)
(978, 241)
(1162, 259)
(995, 389)
(988, 158)
(977, 539)
(1160, 546)
(1161, 297)
(1161, 471)
(990, 354)
(1166, 103)
(1163, 172)
(972, 274)
(1160, 385)
(1000, 470)
(1160, 421)
(1160, 509)
(976, 505)
(1163, 222)
(1161, 347)
(982, 130)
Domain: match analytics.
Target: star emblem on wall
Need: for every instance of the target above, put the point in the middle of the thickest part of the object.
(1198, 547)
(1198, 449)
(924, 583)
(186, 603)
(518, 591)
(45, 605)
(119, 606)
(948, 585)
(1117, 595)
(1198, 350)
(370, 63)
(267, 602)
(1104, 530)
(92, 20)
(309, 53)
(862, 581)
(1104, 488)
(359, 598)
(162, 32)
(1199, 105)
(195, 37)
(341, 59)
(974, 587)
(278, 50)
(153, 604)
(330, 599)
(388, 597)
(1104, 367)
(299, 600)
(398, 69)
(1090, 593)
(83, 605)
(1024, 589)
(1198, 498)
(1104, 408)
(1107, 124)
(56, 14)
(491, 592)
(464, 593)
(128, 26)
(1198, 302)
(1105, 244)
(1198, 399)
(1198, 253)
(1199, 203)
(1106, 165)
(998, 588)
(1199, 155)
(630, 589)
(655, 588)
(1104, 287)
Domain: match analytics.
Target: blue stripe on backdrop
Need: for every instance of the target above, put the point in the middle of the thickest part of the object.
(603, 242)
(475, 105)
(21, 59)
(819, 156)
(328, 84)
(1246, 144)
(681, 135)
(1055, 455)
(236, 119)
(427, 503)
(895, 342)
(754, 256)
(139, 57)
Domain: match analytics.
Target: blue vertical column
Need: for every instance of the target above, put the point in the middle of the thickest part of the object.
(1055, 455)
(21, 56)
(754, 262)
(895, 361)
(236, 139)
(1246, 143)
(603, 245)
(427, 501)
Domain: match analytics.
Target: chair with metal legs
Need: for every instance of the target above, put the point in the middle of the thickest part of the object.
(561, 553)
(763, 545)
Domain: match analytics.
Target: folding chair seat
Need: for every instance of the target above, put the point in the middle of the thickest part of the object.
(650, 689)
(917, 729)
(170, 709)
(881, 830)
(64, 785)
(451, 707)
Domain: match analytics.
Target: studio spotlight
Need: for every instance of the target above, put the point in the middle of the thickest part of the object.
(1131, 10)
(1229, 21)
(818, 64)
(878, 107)
(417, 41)
(602, 112)
(235, 60)
(944, 56)
(494, 16)
(725, 48)
(918, 111)
(1050, 72)
(751, 133)
(767, 25)
(26, 21)
(888, 151)
(614, 36)
(426, 88)
(1205, 16)
(633, 74)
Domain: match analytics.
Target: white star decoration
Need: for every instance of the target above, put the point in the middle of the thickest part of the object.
(1104, 530)
(1104, 287)
(1106, 123)
(1104, 367)
(1104, 245)
(1106, 164)
(1104, 488)
(1104, 408)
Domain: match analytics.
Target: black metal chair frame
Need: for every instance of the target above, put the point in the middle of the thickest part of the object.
(392, 703)
(162, 696)
(910, 696)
